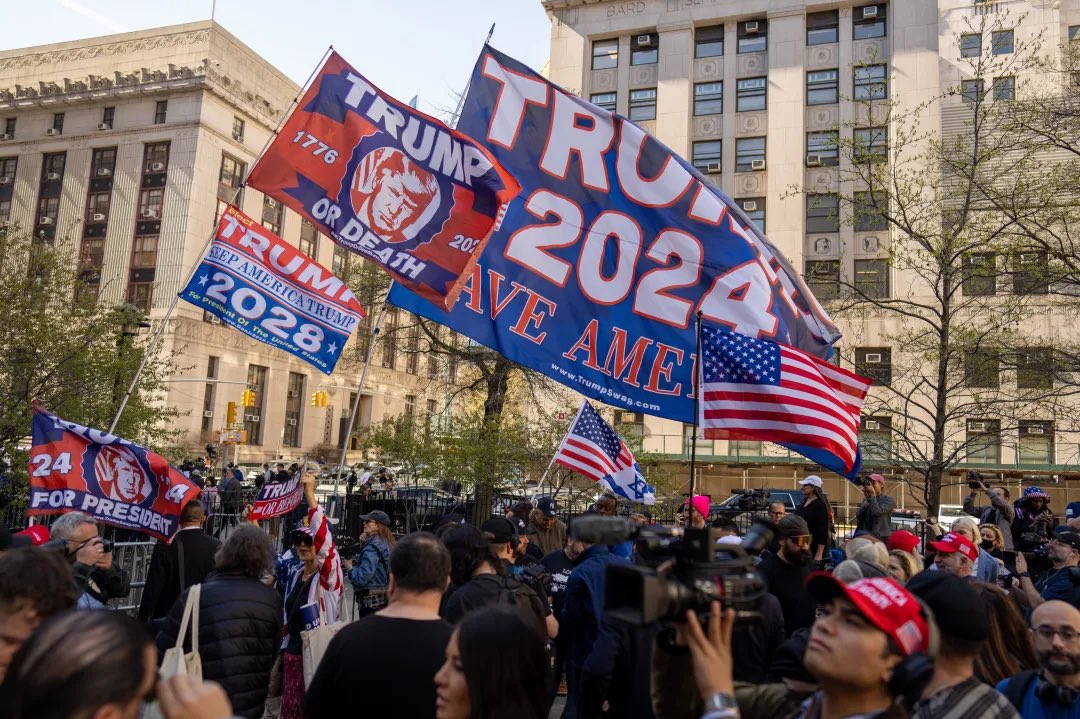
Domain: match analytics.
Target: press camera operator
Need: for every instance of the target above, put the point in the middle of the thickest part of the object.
(875, 512)
(1062, 579)
(1000, 512)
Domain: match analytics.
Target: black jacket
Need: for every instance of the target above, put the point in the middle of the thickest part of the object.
(163, 577)
(239, 635)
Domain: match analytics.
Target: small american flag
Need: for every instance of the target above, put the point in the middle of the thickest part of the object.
(592, 448)
(759, 390)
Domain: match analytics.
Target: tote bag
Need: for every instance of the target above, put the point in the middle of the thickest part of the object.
(175, 661)
(316, 640)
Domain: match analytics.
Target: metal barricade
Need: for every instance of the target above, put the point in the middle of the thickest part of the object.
(134, 558)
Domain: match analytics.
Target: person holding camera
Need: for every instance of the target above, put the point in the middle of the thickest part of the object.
(1000, 512)
(1031, 527)
(97, 579)
(875, 512)
(1062, 580)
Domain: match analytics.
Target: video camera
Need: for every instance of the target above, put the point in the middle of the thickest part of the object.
(752, 500)
(684, 569)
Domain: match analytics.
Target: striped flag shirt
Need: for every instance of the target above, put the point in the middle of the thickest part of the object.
(755, 389)
(592, 448)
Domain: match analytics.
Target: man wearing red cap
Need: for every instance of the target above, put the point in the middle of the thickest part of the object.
(956, 555)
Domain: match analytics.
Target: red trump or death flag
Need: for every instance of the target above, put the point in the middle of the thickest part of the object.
(76, 468)
(387, 182)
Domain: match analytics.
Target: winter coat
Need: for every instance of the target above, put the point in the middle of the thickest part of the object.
(551, 539)
(1000, 513)
(239, 634)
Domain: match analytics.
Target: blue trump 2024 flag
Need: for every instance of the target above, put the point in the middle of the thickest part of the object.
(613, 245)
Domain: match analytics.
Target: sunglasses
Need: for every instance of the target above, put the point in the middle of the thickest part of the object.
(304, 541)
(800, 541)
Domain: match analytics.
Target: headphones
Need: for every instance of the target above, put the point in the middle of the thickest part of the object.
(915, 671)
(1055, 693)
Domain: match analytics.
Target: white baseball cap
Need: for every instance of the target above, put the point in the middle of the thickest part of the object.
(812, 479)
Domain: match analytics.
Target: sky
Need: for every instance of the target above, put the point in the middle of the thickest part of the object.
(406, 47)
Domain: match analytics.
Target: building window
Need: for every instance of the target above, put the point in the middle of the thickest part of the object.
(823, 278)
(256, 382)
(642, 105)
(150, 201)
(970, 45)
(141, 294)
(1034, 368)
(632, 422)
(432, 365)
(822, 27)
(144, 251)
(605, 54)
(58, 121)
(984, 441)
(339, 263)
(1029, 274)
(982, 369)
(97, 207)
(869, 22)
(103, 162)
(1004, 88)
(5, 216)
(273, 214)
(875, 439)
(871, 211)
(872, 278)
(232, 172)
(708, 98)
(8, 166)
(754, 207)
(1036, 442)
(207, 428)
(871, 144)
(748, 151)
(822, 213)
(874, 363)
(107, 116)
(389, 349)
(823, 149)
(742, 447)
(412, 362)
(238, 126)
(707, 156)
(9, 127)
(604, 100)
(871, 82)
(753, 36)
(750, 94)
(643, 49)
(156, 157)
(293, 410)
(822, 87)
(971, 90)
(161, 110)
(48, 209)
(1001, 42)
(1074, 35)
(52, 168)
(709, 41)
(309, 239)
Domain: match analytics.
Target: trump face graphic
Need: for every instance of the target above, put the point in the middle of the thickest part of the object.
(394, 196)
(121, 476)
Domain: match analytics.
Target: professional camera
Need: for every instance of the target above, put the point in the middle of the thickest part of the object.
(684, 569)
(752, 500)
(974, 480)
(861, 480)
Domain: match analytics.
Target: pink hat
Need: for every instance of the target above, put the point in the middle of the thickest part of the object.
(701, 504)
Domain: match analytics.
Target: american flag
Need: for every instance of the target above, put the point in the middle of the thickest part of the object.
(759, 390)
(592, 448)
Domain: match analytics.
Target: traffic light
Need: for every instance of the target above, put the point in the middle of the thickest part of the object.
(319, 399)
(315, 399)
(247, 399)
(230, 414)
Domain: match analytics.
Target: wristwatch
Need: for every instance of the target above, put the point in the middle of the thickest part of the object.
(721, 706)
(1024, 574)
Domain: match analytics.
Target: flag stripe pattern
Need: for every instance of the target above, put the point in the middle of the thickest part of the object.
(592, 448)
(759, 390)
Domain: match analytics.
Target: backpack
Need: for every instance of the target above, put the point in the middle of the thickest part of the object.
(518, 597)
(1016, 687)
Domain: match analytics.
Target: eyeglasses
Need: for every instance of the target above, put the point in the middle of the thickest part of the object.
(1067, 634)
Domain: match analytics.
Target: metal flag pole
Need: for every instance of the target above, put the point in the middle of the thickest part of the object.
(697, 418)
(154, 338)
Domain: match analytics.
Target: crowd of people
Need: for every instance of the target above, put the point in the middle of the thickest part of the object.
(499, 620)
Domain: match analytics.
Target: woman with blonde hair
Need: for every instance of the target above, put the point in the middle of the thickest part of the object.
(902, 565)
(992, 539)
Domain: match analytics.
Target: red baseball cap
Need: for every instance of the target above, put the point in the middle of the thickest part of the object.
(39, 534)
(956, 543)
(903, 540)
(885, 604)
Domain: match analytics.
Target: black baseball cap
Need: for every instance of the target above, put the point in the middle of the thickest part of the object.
(955, 603)
(521, 526)
(1068, 536)
(547, 506)
(500, 530)
(376, 516)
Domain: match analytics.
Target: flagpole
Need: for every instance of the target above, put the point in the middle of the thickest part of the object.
(561, 441)
(697, 418)
(198, 258)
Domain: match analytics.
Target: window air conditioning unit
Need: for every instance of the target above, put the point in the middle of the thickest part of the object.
(104, 126)
(271, 202)
(870, 11)
(757, 165)
(149, 212)
(629, 417)
(293, 393)
(291, 421)
(5, 180)
(752, 27)
(98, 217)
(52, 131)
(46, 221)
(813, 160)
(713, 168)
(52, 176)
(5, 136)
(208, 413)
(238, 137)
(251, 417)
(977, 426)
(873, 358)
(104, 172)
(155, 167)
(644, 41)
(749, 206)
(1035, 430)
(873, 425)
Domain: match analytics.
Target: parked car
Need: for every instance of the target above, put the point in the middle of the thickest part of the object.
(742, 501)
(949, 513)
